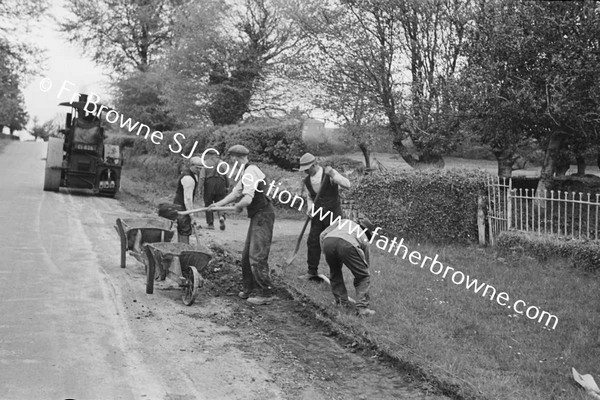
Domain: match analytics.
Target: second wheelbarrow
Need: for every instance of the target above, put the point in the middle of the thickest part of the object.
(180, 262)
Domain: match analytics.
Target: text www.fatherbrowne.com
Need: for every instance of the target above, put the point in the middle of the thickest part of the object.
(437, 268)
(414, 257)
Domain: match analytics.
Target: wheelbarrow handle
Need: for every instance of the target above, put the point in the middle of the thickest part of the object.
(195, 210)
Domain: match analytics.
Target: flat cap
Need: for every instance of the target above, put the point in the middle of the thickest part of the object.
(239, 150)
(196, 160)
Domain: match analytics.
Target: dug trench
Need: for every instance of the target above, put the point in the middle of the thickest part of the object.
(337, 362)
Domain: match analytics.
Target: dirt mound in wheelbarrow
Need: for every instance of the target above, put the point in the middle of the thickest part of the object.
(223, 273)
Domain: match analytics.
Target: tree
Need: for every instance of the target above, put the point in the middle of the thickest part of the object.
(531, 73)
(122, 34)
(12, 108)
(139, 96)
(496, 98)
(372, 42)
(43, 131)
(564, 75)
(18, 59)
(349, 100)
(223, 53)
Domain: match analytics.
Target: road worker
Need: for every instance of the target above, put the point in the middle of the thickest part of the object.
(347, 243)
(250, 191)
(328, 181)
(187, 185)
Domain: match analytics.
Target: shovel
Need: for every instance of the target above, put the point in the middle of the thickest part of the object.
(197, 237)
(195, 210)
(308, 218)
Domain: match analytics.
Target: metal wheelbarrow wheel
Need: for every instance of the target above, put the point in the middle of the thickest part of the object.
(191, 287)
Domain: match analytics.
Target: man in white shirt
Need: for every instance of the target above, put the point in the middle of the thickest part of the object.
(187, 186)
(328, 201)
(250, 190)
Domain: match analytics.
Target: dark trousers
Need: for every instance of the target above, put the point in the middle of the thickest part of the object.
(339, 252)
(255, 257)
(214, 190)
(313, 243)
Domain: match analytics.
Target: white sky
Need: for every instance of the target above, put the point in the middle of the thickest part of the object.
(65, 62)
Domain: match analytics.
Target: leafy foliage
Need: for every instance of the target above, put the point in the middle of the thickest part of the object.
(122, 34)
(439, 206)
(43, 131)
(277, 142)
(366, 49)
(139, 96)
(19, 59)
(226, 52)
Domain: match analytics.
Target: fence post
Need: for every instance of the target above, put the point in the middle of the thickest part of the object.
(509, 206)
(481, 219)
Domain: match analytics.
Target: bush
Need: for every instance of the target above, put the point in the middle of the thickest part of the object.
(438, 206)
(278, 142)
(581, 254)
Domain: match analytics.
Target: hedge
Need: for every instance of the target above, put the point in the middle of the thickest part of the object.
(579, 253)
(438, 206)
(278, 142)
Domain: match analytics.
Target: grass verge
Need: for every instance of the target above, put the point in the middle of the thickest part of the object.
(473, 346)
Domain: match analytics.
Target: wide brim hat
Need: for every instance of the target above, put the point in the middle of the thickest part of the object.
(306, 161)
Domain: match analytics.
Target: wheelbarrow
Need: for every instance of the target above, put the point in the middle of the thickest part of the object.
(180, 262)
(134, 232)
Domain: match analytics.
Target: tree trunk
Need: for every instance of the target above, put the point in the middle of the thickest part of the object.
(12, 130)
(506, 159)
(403, 142)
(366, 153)
(409, 153)
(2, 131)
(549, 165)
(580, 164)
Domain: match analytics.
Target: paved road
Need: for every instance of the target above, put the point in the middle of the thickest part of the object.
(61, 334)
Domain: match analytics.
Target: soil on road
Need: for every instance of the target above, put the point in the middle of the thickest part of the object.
(77, 326)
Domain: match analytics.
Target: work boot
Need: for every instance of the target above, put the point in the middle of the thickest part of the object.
(365, 312)
(210, 226)
(243, 295)
(222, 223)
(311, 277)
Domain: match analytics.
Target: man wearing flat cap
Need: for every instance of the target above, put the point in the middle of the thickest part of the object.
(344, 243)
(187, 186)
(250, 190)
(326, 182)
